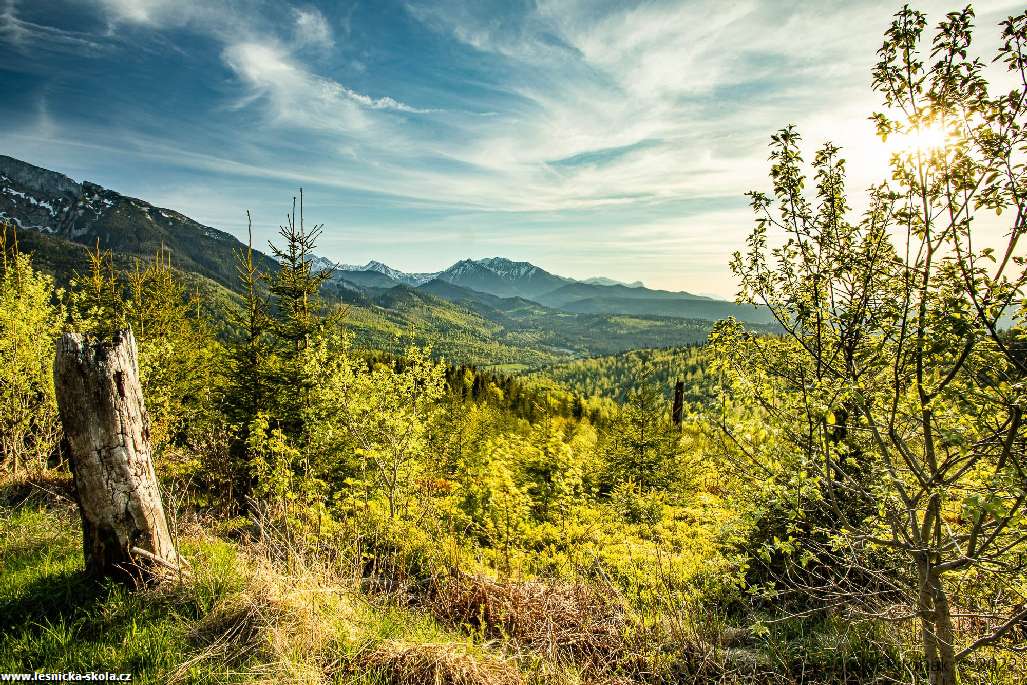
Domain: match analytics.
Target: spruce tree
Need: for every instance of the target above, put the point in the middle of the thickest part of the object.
(642, 444)
(295, 287)
(247, 391)
(96, 299)
(249, 347)
(299, 315)
(176, 346)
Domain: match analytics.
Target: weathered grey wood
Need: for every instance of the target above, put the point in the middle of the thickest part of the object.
(105, 422)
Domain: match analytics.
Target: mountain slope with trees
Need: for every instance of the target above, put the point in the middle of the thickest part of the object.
(46, 201)
(59, 218)
(88, 214)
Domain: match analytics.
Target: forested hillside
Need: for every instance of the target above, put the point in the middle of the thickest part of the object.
(472, 327)
(221, 466)
(615, 376)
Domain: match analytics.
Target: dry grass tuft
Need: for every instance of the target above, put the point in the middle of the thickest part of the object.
(236, 627)
(281, 623)
(439, 664)
(557, 620)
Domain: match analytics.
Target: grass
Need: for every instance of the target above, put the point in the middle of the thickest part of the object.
(54, 618)
(248, 616)
(239, 619)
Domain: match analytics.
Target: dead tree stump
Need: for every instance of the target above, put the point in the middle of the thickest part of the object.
(125, 531)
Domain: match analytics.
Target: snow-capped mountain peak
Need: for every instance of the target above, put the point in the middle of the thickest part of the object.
(411, 279)
(465, 267)
(507, 267)
(318, 264)
(496, 275)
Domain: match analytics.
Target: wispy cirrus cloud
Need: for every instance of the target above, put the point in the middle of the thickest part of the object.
(22, 34)
(312, 28)
(658, 101)
(294, 95)
(254, 50)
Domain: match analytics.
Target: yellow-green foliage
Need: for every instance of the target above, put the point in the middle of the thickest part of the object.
(614, 376)
(30, 319)
(178, 353)
(873, 449)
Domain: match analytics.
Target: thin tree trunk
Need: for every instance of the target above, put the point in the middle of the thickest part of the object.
(925, 608)
(937, 632)
(944, 632)
(125, 531)
(679, 403)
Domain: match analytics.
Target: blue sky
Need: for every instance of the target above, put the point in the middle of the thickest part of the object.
(590, 138)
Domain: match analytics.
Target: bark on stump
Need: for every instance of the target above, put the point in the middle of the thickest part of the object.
(125, 531)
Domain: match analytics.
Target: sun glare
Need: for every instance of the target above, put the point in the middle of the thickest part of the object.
(925, 140)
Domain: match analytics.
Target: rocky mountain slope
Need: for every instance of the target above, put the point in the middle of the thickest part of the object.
(86, 213)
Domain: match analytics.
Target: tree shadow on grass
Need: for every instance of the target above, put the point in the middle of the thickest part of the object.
(46, 489)
(70, 621)
(68, 594)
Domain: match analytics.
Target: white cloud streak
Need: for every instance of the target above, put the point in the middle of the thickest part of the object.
(28, 36)
(261, 60)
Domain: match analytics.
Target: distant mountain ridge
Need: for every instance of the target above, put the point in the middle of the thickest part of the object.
(411, 279)
(505, 278)
(501, 265)
(57, 206)
(603, 280)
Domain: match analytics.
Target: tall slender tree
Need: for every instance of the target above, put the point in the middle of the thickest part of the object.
(299, 315)
(296, 285)
(249, 348)
(894, 400)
